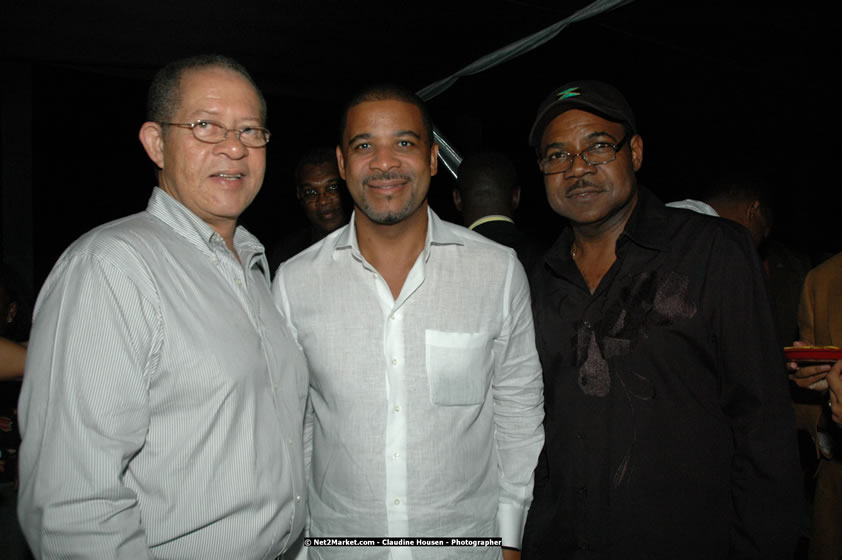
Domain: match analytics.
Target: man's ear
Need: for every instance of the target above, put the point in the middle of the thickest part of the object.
(152, 137)
(636, 145)
(457, 199)
(13, 310)
(434, 159)
(753, 210)
(340, 162)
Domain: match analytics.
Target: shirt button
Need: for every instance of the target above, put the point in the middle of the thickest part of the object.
(397, 502)
(397, 408)
(394, 361)
(582, 491)
(392, 317)
(396, 455)
(298, 498)
(587, 324)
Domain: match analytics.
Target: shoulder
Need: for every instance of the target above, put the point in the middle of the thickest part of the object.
(117, 239)
(828, 270)
(471, 244)
(125, 248)
(315, 259)
(686, 228)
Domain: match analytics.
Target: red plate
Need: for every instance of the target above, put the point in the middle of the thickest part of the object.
(812, 353)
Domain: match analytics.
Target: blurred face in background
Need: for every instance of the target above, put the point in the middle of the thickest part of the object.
(319, 191)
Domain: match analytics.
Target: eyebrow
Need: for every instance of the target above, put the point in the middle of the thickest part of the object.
(398, 134)
(212, 114)
(591, 136)
(327, 182)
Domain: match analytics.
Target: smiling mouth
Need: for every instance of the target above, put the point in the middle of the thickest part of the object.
(386, 181)
(229, 176)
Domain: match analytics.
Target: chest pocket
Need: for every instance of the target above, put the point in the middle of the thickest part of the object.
(458, 367)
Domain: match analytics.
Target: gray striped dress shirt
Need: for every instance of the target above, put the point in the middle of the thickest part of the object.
(163, 398)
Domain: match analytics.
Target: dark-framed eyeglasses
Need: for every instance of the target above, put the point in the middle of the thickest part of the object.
(310, 195)
(557, 161)
(212, 132)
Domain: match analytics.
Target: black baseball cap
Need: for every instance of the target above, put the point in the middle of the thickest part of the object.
(593, 96)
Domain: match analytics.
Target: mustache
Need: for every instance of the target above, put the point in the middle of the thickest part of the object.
(387, 176)
(581, 184)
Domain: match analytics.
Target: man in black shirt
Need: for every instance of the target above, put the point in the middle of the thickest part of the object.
(668, 434)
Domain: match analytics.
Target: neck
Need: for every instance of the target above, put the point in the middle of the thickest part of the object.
(594, 245)
(227, 234)
(470, 217)
(392, 249)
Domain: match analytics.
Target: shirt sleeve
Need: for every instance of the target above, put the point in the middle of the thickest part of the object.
(518, 409)
(279, 294)
(765, 474)
(84, 412)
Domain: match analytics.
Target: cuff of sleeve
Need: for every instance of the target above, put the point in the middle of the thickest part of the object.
(510, 521)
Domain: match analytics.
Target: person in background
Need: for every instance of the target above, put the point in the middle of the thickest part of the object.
(743, 196)
(820, 323)
(15, 323)
(320, 192)
(163, 396)
(669, 433)
(487, 194)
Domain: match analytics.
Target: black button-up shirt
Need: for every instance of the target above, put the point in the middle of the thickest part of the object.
(669, 430)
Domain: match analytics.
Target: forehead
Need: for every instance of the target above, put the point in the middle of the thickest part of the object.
(217, 89)
(314, 172)
(575, 124)
(388, 116)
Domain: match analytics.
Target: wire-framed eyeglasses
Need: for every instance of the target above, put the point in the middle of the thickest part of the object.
(557, 161)
(212, 132)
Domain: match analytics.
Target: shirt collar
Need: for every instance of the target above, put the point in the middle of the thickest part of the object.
(491, 218)
(647, 226)
(437, 234)
(200, 233)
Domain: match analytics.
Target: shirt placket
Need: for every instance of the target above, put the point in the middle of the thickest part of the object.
(395, 453)
(239, 278)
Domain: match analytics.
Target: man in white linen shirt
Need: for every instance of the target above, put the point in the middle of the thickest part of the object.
(163, 400)
(425, 385)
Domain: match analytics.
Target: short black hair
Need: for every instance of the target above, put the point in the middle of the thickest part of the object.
(486, 176)
(387, 92)
(745, 184)
(164, 98)
(315, 156)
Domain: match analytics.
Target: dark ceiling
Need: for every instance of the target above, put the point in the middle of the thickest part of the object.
(713, 83)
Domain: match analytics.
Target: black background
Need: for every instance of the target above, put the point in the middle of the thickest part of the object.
(713, 84)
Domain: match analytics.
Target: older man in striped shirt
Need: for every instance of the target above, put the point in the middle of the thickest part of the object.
(163, 398)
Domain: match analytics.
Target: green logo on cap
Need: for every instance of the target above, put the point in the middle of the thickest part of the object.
(569, 92)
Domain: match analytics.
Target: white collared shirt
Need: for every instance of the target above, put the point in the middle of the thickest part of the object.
(163, 398)
(426, 409)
